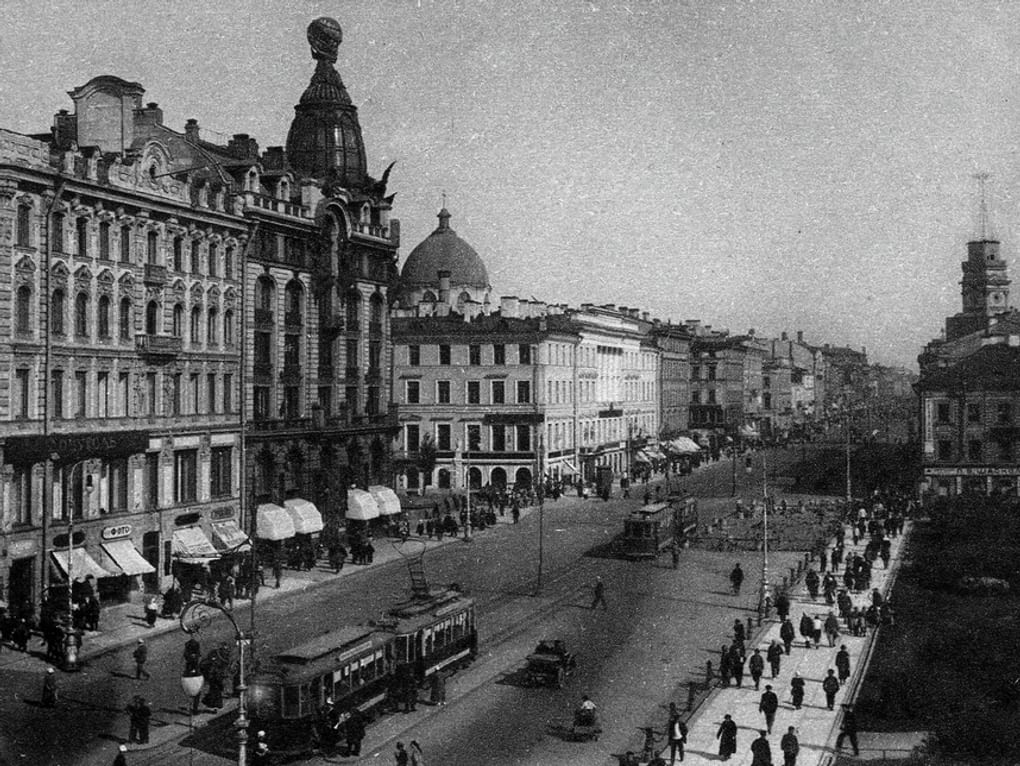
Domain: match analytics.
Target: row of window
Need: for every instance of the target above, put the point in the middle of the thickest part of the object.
(106, 394)
(216, 261)
(111, 488)
(472, 392)
(291, 406)
(83, 319)
(1000, 450)
(973, 410)
(443, 354)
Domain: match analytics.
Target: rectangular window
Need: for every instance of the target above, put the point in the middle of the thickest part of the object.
(185, 476)
(24, 231)
(291, 402)
(444, 354)
(499, 354)
(711, 396)
(523, 438)
(21, 486)
(123, 392)
(152, 480)
(211, 401)
(212, 259)
(498, 433)
(443, 391)
(945, 450)
(260, 403)
(523, 391)
(524, 353)
(711, 372)
(178, 254)
(228, 393)
(220, 480)
(372, 400)
(474, 355)
(413, 392)
(81, 393)
(374, 356)
(152, 248)
(195, 391)
(228, 263)
(974, 450)
(412, 438)
(175, 394)
(104, 240)
(20, 396)
(973, 413)
(414, 356)
(263, 350)
(196, 258)
(326, 400)
(474, 392)
(695, 397)
(942, 412)
(125, 244)
(351, 397)
(103, 395)
(150, 393)
(443, 436)
(115, 475)
(498, 391)
(82, 235)
(474, 437)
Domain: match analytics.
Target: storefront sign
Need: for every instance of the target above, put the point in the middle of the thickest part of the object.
(70, 448)
(21, 548)
(222, 513)
(974, 471)
(113, 533)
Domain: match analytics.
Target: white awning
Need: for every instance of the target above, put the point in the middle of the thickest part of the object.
(655, 453)
(229, 538)
(124, 554)
(684, 446)
(748, 432)
(82, 564)
(642, 457)
(386, 499)
(361, 506)
(306, 517)
(570, 466)
(273, 523)
(191, 546)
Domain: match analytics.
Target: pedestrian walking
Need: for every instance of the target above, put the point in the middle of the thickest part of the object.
(782, 606)
(807, 629)
(677, 738)
(768, 705)
(120, 759)
(811, 580)
(355, 731)
(774, 655)
(227, 592)
(816, 630)
(725, 671)
(786, 633)
(141, 656)
(277, 571)
(790, 747)
(727, 736)
(848, 729)
(417, 756)
(736, 579)
(151, 612)
(832, 628)
(756, 666)
(600, 594)
(49, 689)
(761, 751)
(797, 690)
(830, 686)
(843, 664)
(737, 664)
(400, 756)
(739, 633)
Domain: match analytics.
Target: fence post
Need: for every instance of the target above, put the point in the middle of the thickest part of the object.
(690, 695)
(708, 673)
(749, 628)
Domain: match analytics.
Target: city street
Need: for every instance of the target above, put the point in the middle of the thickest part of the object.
(659, 629)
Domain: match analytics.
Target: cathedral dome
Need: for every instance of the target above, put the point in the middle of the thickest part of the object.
(443, 250)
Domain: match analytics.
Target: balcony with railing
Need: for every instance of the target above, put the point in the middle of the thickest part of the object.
(274, 205)
(155, 274)
(158, 346)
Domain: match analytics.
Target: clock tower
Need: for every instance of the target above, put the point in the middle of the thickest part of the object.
(984, 288)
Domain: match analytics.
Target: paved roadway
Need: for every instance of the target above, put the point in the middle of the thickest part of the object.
(660, 627)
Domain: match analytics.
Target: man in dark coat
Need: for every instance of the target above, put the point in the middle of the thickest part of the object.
(790, 747)
(727, 736)
(737, 664)
(797, 690)
(141, 655)
(756, 666)
(725, 671)
(848, 729)
(355, 732)
(739, 634)
(782, 606)
(120, 759)
(761, 752)
(843, 664)
(677, 737)
(786, 633)
(830, 686)
(774, 655)
(737, 579)
(49, 690)
(807, 629)
(811, 580)
(768, 706)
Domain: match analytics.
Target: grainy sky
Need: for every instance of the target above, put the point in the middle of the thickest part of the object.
(776, 165)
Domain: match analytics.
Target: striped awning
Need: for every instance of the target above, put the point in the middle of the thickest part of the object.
(228, 537)
(126, 557)
(191, 546)
(306, 517)
(386, 499)
(82, 564)
(273, 523)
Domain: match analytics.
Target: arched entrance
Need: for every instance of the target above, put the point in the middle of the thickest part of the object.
(444, 479)
(474, 478)
(522, 479)
(498, 478)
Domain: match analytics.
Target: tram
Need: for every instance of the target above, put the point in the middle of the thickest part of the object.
(651, 529)
(359, 667)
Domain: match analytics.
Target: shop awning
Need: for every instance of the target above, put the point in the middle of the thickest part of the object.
(229, 538)
(386, 499)
(748, 432)
(124, 554)
(361, 506)
(570, 466)
(306, 517)
(642, 457)
(82, 564)
(273, 523)
(191, 546)
(683, 446)
(655, 453)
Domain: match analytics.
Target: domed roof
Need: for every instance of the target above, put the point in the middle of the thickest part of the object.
(443, 250)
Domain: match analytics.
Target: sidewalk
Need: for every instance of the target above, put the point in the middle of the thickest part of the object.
(815, 725)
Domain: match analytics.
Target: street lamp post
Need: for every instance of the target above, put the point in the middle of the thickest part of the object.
(197, 615)
(191, 684)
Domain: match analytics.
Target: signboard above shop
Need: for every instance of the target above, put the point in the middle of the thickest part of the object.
(70, 448)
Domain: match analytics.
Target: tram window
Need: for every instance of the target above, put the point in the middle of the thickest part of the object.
(306, 700)
(327, 685)
(315, 693)
(380, 664)
(342, 681)
(291, 702)
(355, 676)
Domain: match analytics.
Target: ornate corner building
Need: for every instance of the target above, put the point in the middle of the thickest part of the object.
(188, 329)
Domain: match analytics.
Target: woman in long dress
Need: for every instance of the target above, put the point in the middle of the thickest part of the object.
(727, 736)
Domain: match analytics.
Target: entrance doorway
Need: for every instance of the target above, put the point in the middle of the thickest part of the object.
(22, 583)
(150, 552)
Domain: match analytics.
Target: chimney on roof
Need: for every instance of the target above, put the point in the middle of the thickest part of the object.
(274, 158)
(508, 306)
(750, 332)
(444, 287)
(150, 114)
(191, 129)
(243, 147)
(826, 346)
(634, 313)
(800, 336)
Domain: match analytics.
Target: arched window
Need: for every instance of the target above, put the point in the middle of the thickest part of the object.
(104, 316)
(294, 299)
(152, 318)
(429, 297)
(23, 311)
(196, 325)
(228, 328)
(211, 333)
(196, 258)
(125, 319)
(213, 259)
(57, 309)
(152, 247)
(81, 315)
(353, 309)
(178, 254)
(228, 263)
(178, 326)
(463, 298)
(125, 244)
